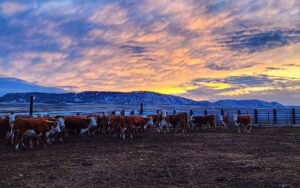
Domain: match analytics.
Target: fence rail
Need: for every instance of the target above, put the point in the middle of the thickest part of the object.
(261, 116)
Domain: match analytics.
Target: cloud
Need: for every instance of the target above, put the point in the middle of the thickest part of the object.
(259, 86)
(110, 14)
(196, 49)
(256, 41)
(11, 8)
(134, 49)
(13, 85)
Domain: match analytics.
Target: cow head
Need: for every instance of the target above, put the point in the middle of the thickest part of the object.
(93, 122)
(12, 119)
(149, 122)
(61, 122)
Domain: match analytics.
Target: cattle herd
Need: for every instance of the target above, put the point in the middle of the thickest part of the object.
(25, 132)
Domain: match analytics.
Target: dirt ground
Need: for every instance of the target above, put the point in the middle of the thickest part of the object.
(269, 157)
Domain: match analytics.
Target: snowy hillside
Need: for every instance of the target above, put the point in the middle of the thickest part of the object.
(130, 98)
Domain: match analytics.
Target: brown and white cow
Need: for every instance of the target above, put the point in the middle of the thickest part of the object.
(81, 125)
(114, 124)
(140, 123)
(5, 129)
(157, 120)
(243, 122)
(126, 125)
(56, 125)
(224, 119)
(206, 121)
(28, 127)
(102, 122)
(180, 119)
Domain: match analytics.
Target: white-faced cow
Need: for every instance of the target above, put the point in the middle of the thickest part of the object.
(243, 122)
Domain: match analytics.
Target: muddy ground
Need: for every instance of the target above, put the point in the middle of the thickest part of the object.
(270, 157)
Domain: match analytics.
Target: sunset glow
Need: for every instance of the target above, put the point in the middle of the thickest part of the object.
(202, 50)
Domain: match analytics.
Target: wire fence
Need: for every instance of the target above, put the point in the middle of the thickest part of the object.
(260, 116)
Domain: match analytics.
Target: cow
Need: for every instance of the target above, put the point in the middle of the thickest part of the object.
(115, 124)
(57, 125)
(28, 127)
(128, 124)
(243, 122)
(205, 121)
(81, 125)
(180, 119)
(163, 126)
(5, 129)
(157, 120)
(224, 119)
(102, 122)
(140, 123)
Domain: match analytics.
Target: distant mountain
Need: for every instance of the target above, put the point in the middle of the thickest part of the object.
(249, 104)
(9, 85)
(128, 98)
(131, 98)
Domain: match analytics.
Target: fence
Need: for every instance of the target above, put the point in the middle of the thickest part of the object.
(261, 116)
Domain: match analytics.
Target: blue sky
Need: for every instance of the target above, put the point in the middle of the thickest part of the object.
(203, 50)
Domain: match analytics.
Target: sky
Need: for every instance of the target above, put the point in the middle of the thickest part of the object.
(197, 49)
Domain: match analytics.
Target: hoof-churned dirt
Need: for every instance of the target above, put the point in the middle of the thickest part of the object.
(268, 157)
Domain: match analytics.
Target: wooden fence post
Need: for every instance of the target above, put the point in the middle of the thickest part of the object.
(142, 109)
(123, 113)
(293, 116)
(31, 106)
(255, 116)
(191, 112)
(274, 116)
(222, 111)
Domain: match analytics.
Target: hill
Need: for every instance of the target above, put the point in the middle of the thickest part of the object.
(128, 98)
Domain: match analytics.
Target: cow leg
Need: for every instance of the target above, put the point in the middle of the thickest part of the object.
(158, 128)
(23, 143)
(184, 128)
(250, 128)
(17, 147)
(31, 143)
(239, 128)
(131, 133)
(123, 133)
(17, 142)
(49, 141)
